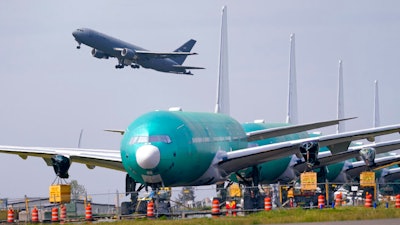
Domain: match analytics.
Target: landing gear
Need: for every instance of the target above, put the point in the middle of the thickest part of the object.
(134, 205)
(119, 66)
(135, 66)
(252, 197)
(160, 196)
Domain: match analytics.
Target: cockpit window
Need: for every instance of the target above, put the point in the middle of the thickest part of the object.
(149, 139)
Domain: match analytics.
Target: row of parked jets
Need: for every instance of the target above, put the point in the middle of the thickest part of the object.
(175, 148)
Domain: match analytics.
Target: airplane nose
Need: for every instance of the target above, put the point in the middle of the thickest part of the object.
(148, 156)
(75, 33)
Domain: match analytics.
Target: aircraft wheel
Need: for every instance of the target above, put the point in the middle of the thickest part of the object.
(78, 47)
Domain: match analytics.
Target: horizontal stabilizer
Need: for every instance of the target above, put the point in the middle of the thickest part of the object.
(188, 67)
(122, 132)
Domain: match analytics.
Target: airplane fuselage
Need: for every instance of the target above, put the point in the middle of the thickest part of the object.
(185, 155)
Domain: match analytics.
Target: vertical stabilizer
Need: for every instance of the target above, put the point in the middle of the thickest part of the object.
(340, 100)
(187, 47)
(376, 122)
(222, 105)
(292, 97)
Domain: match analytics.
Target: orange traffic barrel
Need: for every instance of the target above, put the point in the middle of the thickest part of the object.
(150, 209)
(88, 213)
(233, 208)
(338, 200)
(228, 208)
(215, 208)
(397, 204)
(54, 214)
(368, 201)
(63, 214)
(321, 201)
(267, 204)
(10, 215)
(35, 215)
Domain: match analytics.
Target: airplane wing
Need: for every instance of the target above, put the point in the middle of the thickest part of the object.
(327, 158)
(163, 54)
(90, 157)
(356, 168)
(391, 175)
(280, 131)
(140, 53)
(237, 160)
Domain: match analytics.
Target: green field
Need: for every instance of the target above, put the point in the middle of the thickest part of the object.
(281, 216)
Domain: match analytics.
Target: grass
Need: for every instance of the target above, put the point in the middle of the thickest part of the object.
(279, 216)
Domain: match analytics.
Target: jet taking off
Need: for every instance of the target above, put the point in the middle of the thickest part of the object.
(105, 46)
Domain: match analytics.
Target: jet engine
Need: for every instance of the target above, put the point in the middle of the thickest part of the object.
(368, 155)
(128, 53)
(61, 165)
(99, 54)
(309, 151)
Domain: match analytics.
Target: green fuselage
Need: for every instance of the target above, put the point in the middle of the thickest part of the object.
(187, 142)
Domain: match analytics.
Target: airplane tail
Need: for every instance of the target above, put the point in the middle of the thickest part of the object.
(292, 115)
(187, 47)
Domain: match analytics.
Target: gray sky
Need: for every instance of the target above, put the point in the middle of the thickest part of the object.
(49, 90)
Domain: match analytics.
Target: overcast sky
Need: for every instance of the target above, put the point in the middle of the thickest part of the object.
(49, 90)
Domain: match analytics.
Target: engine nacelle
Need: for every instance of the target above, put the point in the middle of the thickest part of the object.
(368, 155)
(128, 53)
(309, 151)
(99, 54)
(61, 165)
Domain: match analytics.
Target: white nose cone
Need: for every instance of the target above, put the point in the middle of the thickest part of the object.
(148, 156)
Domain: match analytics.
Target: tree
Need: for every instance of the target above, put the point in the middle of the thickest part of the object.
(77, 190)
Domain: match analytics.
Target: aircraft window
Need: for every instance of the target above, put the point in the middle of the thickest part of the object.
(153, 138)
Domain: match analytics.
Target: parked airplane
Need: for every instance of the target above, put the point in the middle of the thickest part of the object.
(105, 46)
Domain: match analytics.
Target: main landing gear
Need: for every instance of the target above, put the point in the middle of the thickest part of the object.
(121, 66)
(160, 197)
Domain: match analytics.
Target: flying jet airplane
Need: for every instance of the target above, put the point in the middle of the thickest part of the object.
(105, 46)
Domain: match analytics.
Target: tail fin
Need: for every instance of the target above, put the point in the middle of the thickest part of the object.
(340, 106)
(292, 116)
(376, 122)
(222, 105)
(187, 47)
